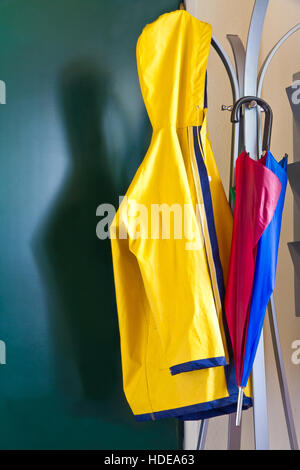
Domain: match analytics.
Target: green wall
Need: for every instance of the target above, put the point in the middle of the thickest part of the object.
(72, 135)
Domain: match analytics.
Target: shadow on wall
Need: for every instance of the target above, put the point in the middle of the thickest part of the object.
(75, 266)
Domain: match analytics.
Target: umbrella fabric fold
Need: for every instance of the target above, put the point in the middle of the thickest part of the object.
(265, 267)
(256, 197)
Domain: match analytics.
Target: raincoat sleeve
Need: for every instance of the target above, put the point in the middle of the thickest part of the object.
(161, 274)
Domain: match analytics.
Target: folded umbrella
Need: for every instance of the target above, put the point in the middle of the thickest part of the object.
(256, 197)
(259, 185)
(265, 268)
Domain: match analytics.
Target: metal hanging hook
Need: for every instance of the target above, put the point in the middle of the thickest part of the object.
(253, 101)
(224, 107)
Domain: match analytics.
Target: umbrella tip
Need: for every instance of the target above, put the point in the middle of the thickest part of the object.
(239, 406)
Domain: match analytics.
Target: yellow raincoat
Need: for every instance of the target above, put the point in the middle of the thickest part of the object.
(171, 239)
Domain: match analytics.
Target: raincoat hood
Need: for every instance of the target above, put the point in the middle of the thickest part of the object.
(172, 57)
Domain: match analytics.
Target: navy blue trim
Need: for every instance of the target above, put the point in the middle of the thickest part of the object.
(209, 212)
(228, 409)
(205, 91)
(199, 364)
(198, 411)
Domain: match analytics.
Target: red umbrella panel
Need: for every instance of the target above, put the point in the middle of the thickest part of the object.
(257, 193)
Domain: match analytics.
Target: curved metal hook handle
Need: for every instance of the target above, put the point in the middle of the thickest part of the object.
(235, 116)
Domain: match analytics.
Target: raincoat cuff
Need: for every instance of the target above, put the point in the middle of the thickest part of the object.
(198, 364)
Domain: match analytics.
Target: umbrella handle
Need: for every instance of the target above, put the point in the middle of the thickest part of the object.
(254, 101)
